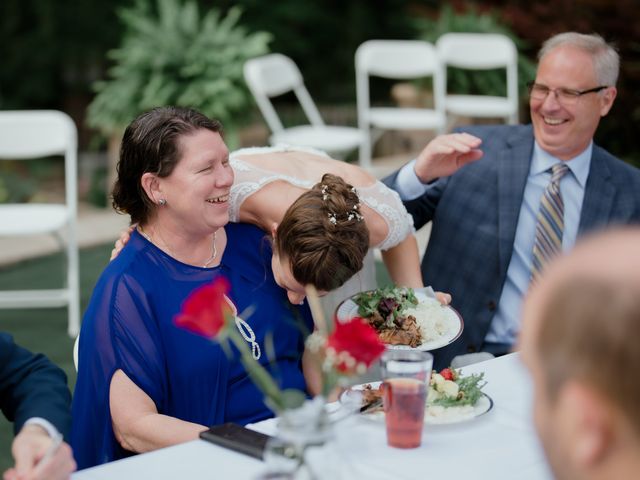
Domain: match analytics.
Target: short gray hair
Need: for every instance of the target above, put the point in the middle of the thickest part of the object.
(606, 61)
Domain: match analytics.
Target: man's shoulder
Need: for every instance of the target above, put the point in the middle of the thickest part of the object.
(618, 168)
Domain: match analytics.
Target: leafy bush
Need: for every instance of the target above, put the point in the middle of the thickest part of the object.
(177, 57)
(490, 82)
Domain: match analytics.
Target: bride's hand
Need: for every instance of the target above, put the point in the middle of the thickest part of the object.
(443, 298)
(125, 235)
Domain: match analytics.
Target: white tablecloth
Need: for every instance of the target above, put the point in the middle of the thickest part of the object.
(499, 445)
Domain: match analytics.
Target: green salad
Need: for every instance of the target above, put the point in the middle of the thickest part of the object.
(389, 302)
(450, 389)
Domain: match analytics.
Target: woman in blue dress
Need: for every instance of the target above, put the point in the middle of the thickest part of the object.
(144, 383)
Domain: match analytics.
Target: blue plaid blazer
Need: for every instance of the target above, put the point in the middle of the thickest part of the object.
(32, 386)
(475, 212)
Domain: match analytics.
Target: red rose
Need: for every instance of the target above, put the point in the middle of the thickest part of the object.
(448, 374)
(358, 339)
(205, 311)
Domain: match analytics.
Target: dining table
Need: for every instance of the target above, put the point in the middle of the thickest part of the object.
(500, 444)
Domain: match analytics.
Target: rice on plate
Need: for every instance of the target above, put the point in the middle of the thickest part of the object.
(433, 319)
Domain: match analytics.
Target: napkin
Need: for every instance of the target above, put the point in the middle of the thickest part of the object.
(426, 291)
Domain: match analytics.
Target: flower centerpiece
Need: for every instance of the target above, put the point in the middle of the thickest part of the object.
(343, 349)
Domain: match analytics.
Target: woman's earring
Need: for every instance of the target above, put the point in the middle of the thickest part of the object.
(162, 202)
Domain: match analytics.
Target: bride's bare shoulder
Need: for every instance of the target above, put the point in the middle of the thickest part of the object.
(356, 176)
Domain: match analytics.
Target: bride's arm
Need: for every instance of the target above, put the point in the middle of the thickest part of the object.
(311, 371)
(403, 263)
(137, 425)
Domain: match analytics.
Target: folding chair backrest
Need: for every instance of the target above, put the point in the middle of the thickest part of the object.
(396, 59)
(477, 51)
(273, 75)
(34, 134)
(482, 51)
(400, 59)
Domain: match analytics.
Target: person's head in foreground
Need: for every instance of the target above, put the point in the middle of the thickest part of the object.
(575, 86)
(322, 239)
(581, 325)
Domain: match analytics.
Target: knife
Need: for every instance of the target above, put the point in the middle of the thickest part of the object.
(371, 405)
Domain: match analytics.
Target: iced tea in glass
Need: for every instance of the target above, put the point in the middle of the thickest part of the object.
(405, 376)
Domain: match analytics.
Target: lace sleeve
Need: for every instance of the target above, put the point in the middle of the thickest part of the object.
(387, 203)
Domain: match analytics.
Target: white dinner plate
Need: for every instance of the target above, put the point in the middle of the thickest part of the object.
(348, 309)
(434, 415)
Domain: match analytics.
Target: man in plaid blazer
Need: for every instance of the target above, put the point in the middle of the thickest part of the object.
(482, 190)
(35, 397)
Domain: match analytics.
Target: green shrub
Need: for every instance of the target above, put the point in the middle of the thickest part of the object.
(176, 56)
(490, 82)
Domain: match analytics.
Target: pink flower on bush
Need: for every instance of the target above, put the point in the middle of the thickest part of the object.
(354, 345)
(206, 310)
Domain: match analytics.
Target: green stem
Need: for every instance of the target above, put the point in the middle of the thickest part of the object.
(328, 382)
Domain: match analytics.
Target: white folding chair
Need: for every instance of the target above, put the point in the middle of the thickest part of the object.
(396, 59)
(275, 74)
(481, 51)
(35, 134)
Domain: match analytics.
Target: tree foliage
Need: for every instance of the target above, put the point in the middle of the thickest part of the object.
(175, 56)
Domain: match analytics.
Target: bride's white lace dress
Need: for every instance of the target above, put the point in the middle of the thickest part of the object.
(377, 196)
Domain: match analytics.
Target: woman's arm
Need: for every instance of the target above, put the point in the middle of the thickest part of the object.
(137, 425)
(403, 263)
(311, 370)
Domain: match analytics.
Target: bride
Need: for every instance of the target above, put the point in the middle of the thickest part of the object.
(271, 181)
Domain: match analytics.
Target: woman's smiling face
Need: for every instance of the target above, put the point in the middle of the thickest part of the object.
(197, 190)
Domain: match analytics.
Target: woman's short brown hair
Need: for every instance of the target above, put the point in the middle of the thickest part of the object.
(323, 235)
(151, 145)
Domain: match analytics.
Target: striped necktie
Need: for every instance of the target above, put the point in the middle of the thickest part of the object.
(550, 222)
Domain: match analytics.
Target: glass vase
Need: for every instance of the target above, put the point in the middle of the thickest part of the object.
(301, 449)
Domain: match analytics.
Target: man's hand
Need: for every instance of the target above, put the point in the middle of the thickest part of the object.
(121, 242)
(446, 154)
(29, 448)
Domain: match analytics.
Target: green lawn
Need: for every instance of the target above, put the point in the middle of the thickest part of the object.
(44, 330)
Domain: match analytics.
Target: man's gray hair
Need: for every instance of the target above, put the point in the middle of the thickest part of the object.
(606, 60)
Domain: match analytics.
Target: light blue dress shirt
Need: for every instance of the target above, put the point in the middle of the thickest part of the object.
(506, 321)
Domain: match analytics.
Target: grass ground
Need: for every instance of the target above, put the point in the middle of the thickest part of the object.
(44, 330)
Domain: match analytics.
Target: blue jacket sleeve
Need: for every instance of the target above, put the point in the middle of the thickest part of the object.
(32, 386)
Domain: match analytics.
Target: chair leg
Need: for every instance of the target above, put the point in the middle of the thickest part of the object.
(365, 149)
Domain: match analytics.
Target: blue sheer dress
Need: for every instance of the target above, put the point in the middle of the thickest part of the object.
(129, 326)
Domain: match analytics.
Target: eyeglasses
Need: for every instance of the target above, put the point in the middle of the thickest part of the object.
(564, 96)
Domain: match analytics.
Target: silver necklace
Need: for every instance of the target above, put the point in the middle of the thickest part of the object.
(214, 249)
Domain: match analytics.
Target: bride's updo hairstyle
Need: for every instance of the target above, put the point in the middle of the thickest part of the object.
(323, 235)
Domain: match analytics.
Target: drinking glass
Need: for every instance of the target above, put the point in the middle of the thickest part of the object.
(405, 375)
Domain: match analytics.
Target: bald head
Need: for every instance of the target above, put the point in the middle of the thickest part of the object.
(581, 321)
